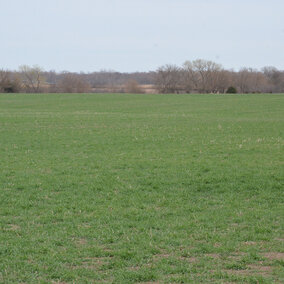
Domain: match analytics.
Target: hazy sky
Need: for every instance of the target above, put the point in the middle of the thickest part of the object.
(140, 35)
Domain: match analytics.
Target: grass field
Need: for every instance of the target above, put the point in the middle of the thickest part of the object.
(141, 188)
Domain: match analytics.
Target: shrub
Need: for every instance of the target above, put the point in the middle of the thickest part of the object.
(133, 87)
(11, 87)
(231, 90)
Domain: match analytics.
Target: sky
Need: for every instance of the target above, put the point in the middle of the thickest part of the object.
(140, 35)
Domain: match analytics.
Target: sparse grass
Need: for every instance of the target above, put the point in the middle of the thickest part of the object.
(141, 188)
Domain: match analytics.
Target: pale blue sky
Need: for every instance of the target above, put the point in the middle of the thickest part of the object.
(140, 35)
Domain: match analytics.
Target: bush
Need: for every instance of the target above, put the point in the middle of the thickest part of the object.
(231, 90)
(11, 87)
(132, 87)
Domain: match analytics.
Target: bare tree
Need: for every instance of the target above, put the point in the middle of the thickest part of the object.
(73, 83)
(4, 80)
(251, 81)
(168, 79)
(243, 80)
(202, 76)
(225, 80)
(32, 78)
(275, 79)
(208, 72)
(191, 79)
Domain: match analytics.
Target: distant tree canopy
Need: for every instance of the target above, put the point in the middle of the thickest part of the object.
(203, 76)
(197, 76)
(73, 83)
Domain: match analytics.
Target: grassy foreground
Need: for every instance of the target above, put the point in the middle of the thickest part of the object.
(141, 188)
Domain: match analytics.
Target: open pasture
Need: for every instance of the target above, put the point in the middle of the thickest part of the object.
(141, 188)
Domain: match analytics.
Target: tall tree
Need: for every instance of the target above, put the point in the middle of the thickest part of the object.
(73, 83)
(168, 79)
(32, 78)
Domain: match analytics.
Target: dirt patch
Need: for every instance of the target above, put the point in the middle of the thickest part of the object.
(237, 256)
(81, 242)
(134, 268)
(247, 272)
(274, 255)
(162, 255)
(92, 263)
(85, 225)
(96, 259)
(258, 268)
(213, 255)
(13, 227)
(167, 255)
(238, 272)
(107, 249)
(252, 269)
(250, 243)
(173, 278)
(189, 259)
(150, 282)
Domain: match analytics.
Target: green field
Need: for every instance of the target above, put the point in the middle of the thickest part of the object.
(141, 188)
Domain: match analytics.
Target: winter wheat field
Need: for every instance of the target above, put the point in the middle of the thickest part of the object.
(141, 188)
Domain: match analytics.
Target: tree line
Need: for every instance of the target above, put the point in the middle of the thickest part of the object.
(198, 76)
(203, 76)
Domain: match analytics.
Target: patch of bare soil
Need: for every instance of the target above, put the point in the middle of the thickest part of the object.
(13, 227)
(253, 269)
(81, 242)
(213, 255)
(190, 259)
(93, 263)
(236, 256)
(250, 243)
(258, 268)
(238, 272)
(161, 255)
(274, 255)
(134, 268)
(149, 282)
